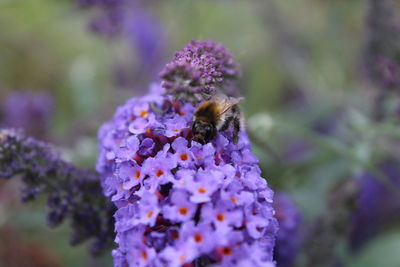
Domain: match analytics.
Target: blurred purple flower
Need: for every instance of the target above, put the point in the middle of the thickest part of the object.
(31, 111)
(109, 15)
(148, 41)
(288, 237)
(107, 23)
(378, 204)
(132, 21)
(188, 202)
(73, 194)
(147, 37)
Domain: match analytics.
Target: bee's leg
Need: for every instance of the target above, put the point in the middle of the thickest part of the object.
(236, 115)
(226, 124)
(236, 129)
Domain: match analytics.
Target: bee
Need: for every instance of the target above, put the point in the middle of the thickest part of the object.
(214, 115)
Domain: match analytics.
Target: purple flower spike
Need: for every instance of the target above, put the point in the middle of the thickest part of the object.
(72, 194)
(199, 70)
(180, 202)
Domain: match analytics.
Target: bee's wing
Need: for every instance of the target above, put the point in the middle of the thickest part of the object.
(226, 104)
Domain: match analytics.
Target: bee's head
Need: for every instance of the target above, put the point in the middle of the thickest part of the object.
(203, 132)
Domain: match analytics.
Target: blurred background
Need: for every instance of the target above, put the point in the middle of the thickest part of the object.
(321, 80)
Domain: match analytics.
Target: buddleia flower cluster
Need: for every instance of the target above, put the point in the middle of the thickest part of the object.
(199, 70)
(181, 203)
(72, 194)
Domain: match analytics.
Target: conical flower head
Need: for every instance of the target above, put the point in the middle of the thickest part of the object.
(179, 201)
(199, 70)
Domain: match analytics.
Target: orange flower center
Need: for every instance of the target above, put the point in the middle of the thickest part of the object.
(182, 258)
(159, 173)
(176, 130)
(202, 190)
(143, 114)
(234, 200)
(198, 238)
(227, 251)
(183, 211)
(220, 217)
(137, 174)
(149, 214)
(144, 255)
(175, 235)
(184, 157)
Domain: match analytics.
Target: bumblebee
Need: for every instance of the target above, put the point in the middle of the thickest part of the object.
(214, 115)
